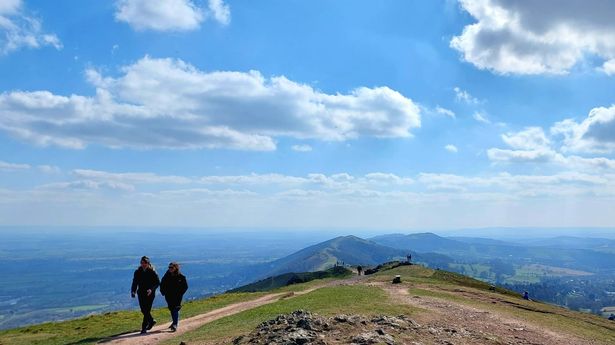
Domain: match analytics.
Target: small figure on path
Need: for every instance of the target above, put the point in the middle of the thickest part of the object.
(359, 269)
(144, 284)
(409, 258)
(526, 295)
(173, 287)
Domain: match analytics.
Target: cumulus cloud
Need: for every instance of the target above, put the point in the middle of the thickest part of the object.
(528, 139)
(167, 103)
(532, 145)
(451, 148)
(163, 15)
(301, 148)
(595, 134)
(535, 37)
(19, 30)
(5, 166)
(608, 67)
(220, 11)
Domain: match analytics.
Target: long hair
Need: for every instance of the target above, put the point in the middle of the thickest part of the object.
(148, 261)
(175, 265)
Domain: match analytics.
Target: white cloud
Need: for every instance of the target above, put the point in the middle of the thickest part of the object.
(520, 156)
(301, 148)
(379, 199)
(595, 134)
(19, 30)
(253, 179)
(167, 103)
(88, 185)
(608, 67)
(444, 111)
(5, 166)
(161, 15)
(528, 139)
(532, 145)
(535, 37)
(451, 148)
(506, 183)
(481, 117)
(49, 169)
(129, 178)
(220, 11)
(464, 96)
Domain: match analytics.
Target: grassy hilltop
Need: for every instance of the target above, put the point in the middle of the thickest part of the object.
(447, 306)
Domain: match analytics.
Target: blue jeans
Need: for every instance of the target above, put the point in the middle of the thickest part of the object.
(175, 315)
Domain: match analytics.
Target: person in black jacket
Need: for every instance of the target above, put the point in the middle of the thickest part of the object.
(144, 284)
(173, 287)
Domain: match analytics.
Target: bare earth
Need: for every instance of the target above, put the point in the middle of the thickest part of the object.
(476, 326)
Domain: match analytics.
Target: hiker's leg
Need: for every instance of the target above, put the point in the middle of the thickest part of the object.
(150, 301)
(144, 310)
(175, 316)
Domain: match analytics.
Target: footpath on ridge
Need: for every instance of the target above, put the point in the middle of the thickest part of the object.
(446, 309)
(161, 332)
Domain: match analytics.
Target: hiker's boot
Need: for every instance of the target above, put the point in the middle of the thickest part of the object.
(173, 328)
(151, 325)
(143, 331)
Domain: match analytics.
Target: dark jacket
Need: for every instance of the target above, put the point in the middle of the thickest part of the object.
(144, 280)
(173, 287)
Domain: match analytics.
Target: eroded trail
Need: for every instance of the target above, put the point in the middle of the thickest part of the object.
(161, 332)
(458, 323)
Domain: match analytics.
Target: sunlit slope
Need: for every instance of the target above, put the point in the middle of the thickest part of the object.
(446, 307)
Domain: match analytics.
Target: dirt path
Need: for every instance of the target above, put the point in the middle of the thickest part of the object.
(463, 324)
(161, 332)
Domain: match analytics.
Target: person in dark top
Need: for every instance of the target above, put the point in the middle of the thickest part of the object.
(173, 287)
(359, 270)
(144, 284)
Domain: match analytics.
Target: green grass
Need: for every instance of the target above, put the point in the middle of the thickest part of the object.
(93, 328)
(354, 299)
(417, 274)
(288, 279)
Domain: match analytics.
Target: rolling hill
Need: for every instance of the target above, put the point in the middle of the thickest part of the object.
(351, 250)
(476, 250)
(428, 307)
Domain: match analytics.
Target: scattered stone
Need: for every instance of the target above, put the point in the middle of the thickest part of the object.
(304, 328)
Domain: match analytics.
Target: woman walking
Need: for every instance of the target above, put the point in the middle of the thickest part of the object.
(173, 287)
(144, 284)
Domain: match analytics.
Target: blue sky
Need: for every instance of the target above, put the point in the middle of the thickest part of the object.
(354, 114)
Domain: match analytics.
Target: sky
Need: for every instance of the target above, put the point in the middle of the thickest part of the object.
(361, 114)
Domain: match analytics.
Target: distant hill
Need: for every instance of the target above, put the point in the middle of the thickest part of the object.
(482, 240)
(422, 242)
(554, 252)
(572, 242)
(351, 250)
